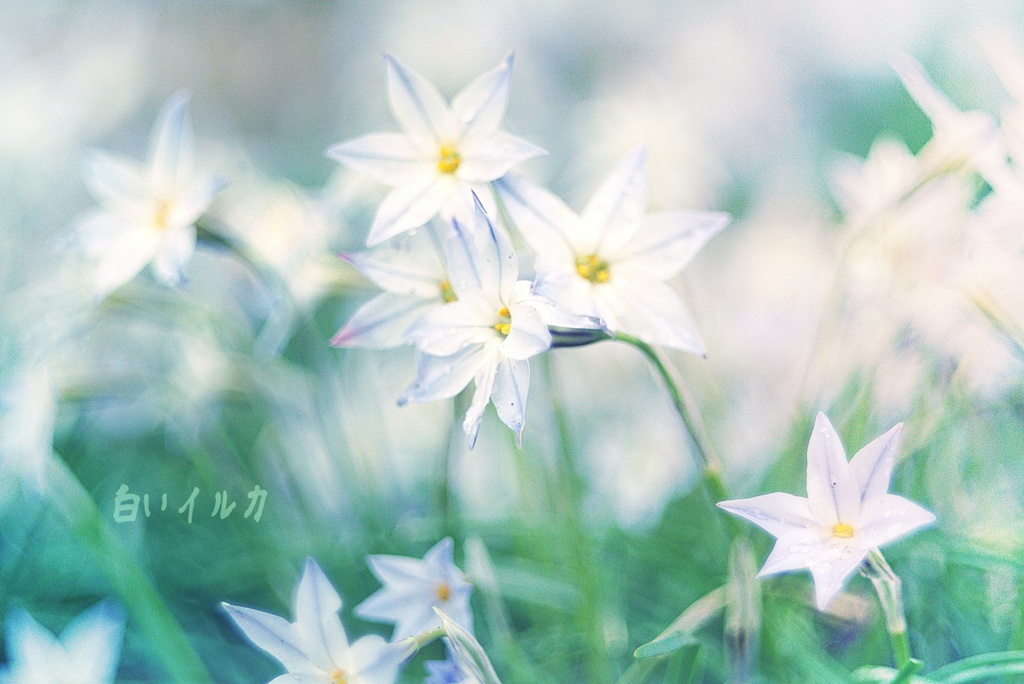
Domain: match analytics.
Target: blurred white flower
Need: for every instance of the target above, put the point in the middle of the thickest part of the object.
(28, 399)
(86, 653)
(487, 334)
(867, 187)
(613, 261)
(146, 215)
(847, 513)
(414, 278)
(413, 588)
(314, 648)
(443, 152)
(447, 671)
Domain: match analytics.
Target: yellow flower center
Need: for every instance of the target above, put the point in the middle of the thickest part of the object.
(338, 676)
(593, 269)
(443, 592)
(448, 162)
(447, 293)
(842, 530)
(504, 326)
(163, 215)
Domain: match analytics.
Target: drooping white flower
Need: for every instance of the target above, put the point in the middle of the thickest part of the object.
(613, 261)
(413, 588)
(146, 215)
(87, 651)
(848, 511)
(414, 279)
(443, 153)
(489, 332)
(314, 648)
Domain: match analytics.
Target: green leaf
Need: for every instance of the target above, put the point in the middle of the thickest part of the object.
(681, 632)
(468, 651)
(981, 667)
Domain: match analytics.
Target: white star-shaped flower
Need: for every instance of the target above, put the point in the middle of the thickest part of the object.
(488, 332)
(146, 215)
(414, 279)
(86, 653)
(314, 648)
(443, 153)
(613, 261)
(413, 588)
(848, 511)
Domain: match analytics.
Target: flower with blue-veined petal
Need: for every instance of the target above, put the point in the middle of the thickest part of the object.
(847, 513)
(413, 588)
(146, 215)
(443, 153)
(314, 649)
(86, 653)
(489, 332)
(613, 260)
(414, 278)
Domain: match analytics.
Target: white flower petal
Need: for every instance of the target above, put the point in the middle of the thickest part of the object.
(487, 156)
(411, 205)
(442, 377)
(872, 465)
(794, 550)
(831, 487)
(481, 260)
(830, 575)
(175, 252)
(382, 322)
(117, 183)
(170, 161)
(664, 243)
(195, 200)
(528, 334)
(480, 106)
(300, 678)
(316, 618)
(124, 259)
(446, 329)
(651, 311)
(483, 385)
(889, 517)
(441, 556)
(30, 646)
(777, 513)
(414, 268)
(550, 227)
(93, 642)
(618, 204)
(388, 158)
(275, 635)
(375, 661)
(511, 387)
(419, 108)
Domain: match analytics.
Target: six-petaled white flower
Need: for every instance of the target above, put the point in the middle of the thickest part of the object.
(146, 215)
(444, 153)
(86, 653)
(413, 588)
(314, 648)
(847, 513)
(613, 260)
(414, 279)
(489, 332)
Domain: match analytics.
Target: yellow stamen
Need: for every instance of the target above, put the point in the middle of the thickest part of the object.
(842, 530)
(593, 269)
(449, 159)
(443, 592)
(447, 293)
(338, 676)
(504, 326)
(163, 215)
(504, 312)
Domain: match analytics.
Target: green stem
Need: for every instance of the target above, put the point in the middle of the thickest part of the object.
(143, 601)
(583, 557)
(887, 585)
(686, 406)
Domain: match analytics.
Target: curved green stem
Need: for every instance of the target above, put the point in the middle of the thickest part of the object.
(686, 406)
